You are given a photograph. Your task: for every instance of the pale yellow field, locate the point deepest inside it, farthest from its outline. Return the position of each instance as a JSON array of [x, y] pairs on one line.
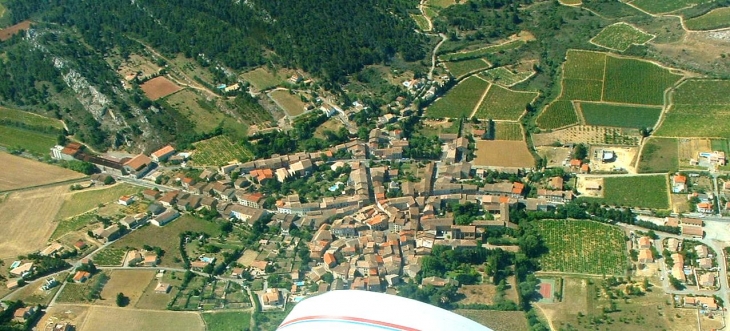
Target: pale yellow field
[[130, 282], [20, 172], [106, 318]]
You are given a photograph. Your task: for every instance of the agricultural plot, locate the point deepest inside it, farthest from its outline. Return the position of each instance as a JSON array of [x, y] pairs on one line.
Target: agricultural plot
[[497, 320], [31, 132], [635, 81], [619, 115], [505, 77], [100, 318], [508, 131], [502, 153], [461, 68], [584, 247], [226, 321], [460, 100], [664, 6], [203, 113], [581, 89], [621, 191], [716, 19], [291, 103], [504, 104], [421, 22], [19, 172], [159, 87], [557, 114], [89, 199], [702, 92], [659, 155], [584, 65], [701, 109], [218, 151], [588, 134], [29, 119], [620, 36], [262, 79], [130, 282], [441, 3], [481, 52]]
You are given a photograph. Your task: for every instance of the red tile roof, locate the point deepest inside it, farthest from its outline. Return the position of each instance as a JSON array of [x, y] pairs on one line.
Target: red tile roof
[[163, 151]]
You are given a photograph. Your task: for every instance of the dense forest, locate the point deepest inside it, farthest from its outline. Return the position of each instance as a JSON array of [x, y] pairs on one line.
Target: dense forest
[[330, 39]]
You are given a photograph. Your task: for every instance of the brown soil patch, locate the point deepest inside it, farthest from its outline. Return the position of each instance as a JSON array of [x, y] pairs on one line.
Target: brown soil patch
[[159, 87], [625, 158], [581, 186], [503, 153], [497, 320], [137, 64], [20, 172], [59, 313], [28, 219], [8, 32], [702, 50], [689, 149], [555, 156], [130, 282], [480, 294]]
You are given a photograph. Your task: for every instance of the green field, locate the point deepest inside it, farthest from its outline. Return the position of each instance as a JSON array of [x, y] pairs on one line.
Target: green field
[[460, 100], [205, 114], [703, 92], [504, 76], [421, 21], [292, 104], [637, 117], [508, 131], [659, 155], [218, 151], [716, 19], [620, 36], [585, 247], [584, 65], [7, 114], [109, 257], [621, 191], [582, 89], [227, 321], [637, 82], [558, 114], [701, 109], [34, 133], [504, 104], [441, 3], [262, 79], [84, 201], [481, 52], [464, 67], [665, 6]]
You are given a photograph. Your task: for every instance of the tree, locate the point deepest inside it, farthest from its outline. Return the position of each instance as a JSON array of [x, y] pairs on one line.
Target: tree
[[122, 300], [108, 180], [328, 278], [676, 283], [580, 152]]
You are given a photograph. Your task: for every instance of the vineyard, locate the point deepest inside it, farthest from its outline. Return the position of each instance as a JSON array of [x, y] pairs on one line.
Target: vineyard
[[460, 100], [715, 19], [584, 65], [659, 155], [619, 115], [664, 6], [505, 77], [621, 191], [478, 53], [219, 151], [701, 109], [459, 69], [585, 247], [504, 104], [620, 36], [582, 89], [702, 92], [635, 81], [556, 115], [508, 131]]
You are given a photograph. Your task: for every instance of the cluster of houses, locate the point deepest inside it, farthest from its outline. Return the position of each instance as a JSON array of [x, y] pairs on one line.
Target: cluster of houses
[[136, 166]]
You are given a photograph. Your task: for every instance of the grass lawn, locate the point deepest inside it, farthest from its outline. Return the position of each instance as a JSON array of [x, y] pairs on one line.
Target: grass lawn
[[262, 79], [558, 114], [622, 191], [715, 19], [460, 100], [620, 36], [623, 85], [168, 237], [659, 155], [620, 116], [504, 104], [227, 321], [463, 67], [291, 103], [587, 247], [84, 201]]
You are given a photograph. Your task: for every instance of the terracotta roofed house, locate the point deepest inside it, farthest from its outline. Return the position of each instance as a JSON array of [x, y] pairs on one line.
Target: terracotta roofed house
[[138, 165], [163, 153]]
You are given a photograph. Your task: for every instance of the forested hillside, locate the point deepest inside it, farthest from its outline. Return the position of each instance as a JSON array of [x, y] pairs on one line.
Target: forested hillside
[[330, 39]]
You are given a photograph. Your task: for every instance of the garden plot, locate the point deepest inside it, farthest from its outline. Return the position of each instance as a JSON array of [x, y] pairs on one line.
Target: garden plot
[[620, 36]]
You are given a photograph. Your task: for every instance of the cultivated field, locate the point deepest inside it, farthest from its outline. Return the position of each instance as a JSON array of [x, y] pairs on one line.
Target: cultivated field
[[621, 191], [502, 153], [27, 219], [622, 85], [558, 114], [584, 65], [291, 103], [219, 151], [460, 100], [505, 77], [504, 104], [100, 318], [130, 282], [20, 172], [8, 32], [86, 200], [226, 321], [262, 79], [715, 19], [441, 3], [588, 134], [481, 52], [159, 87], [29, 119], [585, 247], [702, 92], [203, 113], [167, 237], [663, 6], [571, 2], [602, 114], [659, 155], [508, 131], [581, 89], [461, 68], [620, 36], [701, 109], [497, 320], [421, 21]]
